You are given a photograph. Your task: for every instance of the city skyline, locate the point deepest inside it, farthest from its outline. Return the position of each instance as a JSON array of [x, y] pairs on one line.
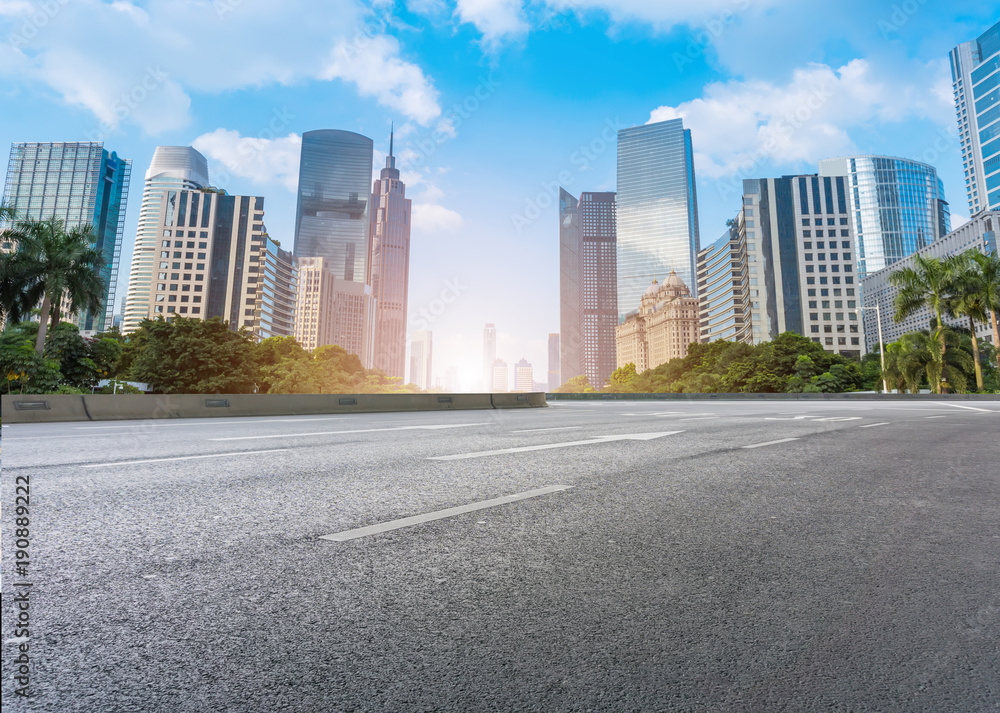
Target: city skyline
[[474, 190]]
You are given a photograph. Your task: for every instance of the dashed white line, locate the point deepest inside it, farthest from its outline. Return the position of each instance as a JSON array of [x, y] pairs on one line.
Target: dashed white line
[[935, 417], [771, 443], [164, 460], [870, 425], [564, 444], [971, 408], [357, 430], [440, 514], [539, 430]]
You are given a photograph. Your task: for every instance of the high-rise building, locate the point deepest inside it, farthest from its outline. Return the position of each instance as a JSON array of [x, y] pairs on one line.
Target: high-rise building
[[389, 267], [489, 356], [523, 376], [314, 309], [332, 217], [81, 184], [353, 319], [215, 259], [554, 370], [588, 286], [499, 384], [173, 168], [724, 287], [801, 265], [975, 74], [979, 234], [657, 208], [898, 207], [421, 352], [661, 329]]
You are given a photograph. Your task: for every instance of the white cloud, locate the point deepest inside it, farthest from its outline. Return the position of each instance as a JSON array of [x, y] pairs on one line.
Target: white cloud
[[433, 218], [261, 160], [374, 66], [495, 19], [739, 124], [207, 46], [665, 13]]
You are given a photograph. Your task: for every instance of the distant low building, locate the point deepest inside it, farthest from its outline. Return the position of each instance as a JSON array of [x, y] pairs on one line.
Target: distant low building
[[523, 376], [499, 384], [661, 329]]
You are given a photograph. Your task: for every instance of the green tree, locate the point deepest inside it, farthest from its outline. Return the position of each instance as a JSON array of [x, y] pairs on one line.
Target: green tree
[[988, 267], [48, 263], [921, 357], [968, 299], [576, 385], [621, 379], [192, 356], [23, 370]]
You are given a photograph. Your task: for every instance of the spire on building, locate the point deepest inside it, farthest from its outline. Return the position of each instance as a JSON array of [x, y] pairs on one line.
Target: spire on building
[[390, 170]]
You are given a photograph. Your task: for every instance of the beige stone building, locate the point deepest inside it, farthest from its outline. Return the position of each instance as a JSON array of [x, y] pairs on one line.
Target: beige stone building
[[661, 329], [333, 311]]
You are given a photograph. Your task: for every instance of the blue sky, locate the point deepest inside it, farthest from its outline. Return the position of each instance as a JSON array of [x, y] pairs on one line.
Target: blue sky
[[495, 102]]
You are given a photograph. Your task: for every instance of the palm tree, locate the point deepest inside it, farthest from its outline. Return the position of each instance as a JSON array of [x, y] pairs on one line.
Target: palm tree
[[51, 262], [921, 355], [893, 372], [967, 300], [927, 284], [988, 267]]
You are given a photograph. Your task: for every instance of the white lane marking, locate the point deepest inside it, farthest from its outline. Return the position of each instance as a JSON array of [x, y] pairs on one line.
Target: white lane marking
[[971, 408], [539, 430], [204, 421], [164, 460], [795, 418], [841, 418], [357, 430], [771, 443], [565, 444], [695, 418], [440, 514], [870, 425], [935, 417]]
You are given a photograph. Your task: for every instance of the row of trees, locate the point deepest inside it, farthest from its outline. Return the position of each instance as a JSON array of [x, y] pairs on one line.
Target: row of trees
[[183, 356]]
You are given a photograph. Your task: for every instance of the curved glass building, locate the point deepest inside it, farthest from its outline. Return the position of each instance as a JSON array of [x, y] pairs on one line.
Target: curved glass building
[[898, 207], [332, 217]]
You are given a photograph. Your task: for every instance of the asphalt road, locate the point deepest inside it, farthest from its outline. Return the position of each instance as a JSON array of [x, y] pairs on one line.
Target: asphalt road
[[653, 561]]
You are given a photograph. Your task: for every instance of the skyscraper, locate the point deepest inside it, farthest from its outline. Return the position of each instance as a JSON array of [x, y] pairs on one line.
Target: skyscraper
[[421, 353], [657, 212], [588, 286], [489, 356], [724, 287], [389, 267], [975, 73], [80, 184], [173, 168], [898, 207], [554, 370], [332, 218], [801, 270]]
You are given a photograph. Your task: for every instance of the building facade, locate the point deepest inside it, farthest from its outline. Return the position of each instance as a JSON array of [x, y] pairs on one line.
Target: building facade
[[802, 260], [724, 287], [897, 206], [980, 234], [421, 354], [523, 376], [662, 328], [975, 74], [555, 381], [499, 384], [588, 290], [215, 259], [81, 184], [489, 356], [173, 168], [314, 310], [389, 267], [657, 208]]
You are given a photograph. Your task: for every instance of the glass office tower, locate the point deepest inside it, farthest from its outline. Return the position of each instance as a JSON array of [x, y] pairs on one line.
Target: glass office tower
[[173, 168], [80, 184], [588, 296], [898, 207], [975, 73], [657, 209], [332, 217]]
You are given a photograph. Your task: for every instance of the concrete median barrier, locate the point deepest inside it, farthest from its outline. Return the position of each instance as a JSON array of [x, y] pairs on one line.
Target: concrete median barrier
[[123, 407]]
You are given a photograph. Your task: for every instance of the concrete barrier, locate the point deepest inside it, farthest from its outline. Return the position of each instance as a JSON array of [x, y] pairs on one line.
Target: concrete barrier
[[123, 407], [853, 396]]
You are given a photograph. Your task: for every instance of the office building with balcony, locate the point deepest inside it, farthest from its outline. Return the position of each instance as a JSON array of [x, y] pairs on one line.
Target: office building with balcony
[[724, 287]]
